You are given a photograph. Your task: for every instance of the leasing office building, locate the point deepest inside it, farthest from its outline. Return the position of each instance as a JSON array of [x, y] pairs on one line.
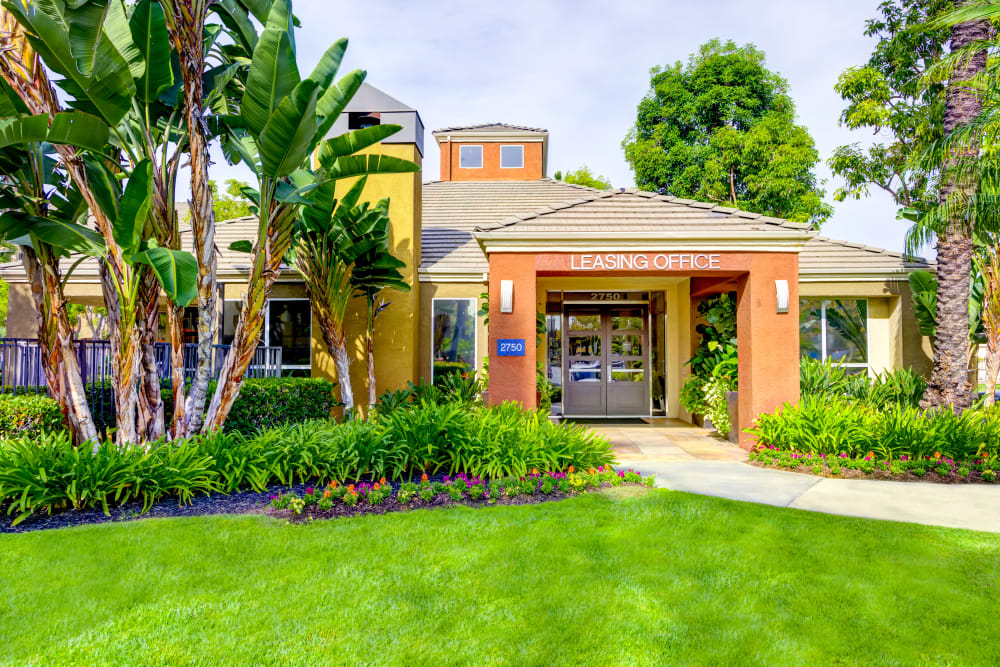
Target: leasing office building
[[617, 274]]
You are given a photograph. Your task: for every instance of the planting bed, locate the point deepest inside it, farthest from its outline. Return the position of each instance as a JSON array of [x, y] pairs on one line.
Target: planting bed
[[337, 500], [935, 469], [252, 502]]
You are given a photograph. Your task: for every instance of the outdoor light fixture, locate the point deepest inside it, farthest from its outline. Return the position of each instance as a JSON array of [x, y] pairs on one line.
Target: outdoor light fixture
[[507, 296], [781, 289]]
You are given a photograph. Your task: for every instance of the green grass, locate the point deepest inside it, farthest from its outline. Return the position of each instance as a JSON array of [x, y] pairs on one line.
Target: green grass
[[627, 577]]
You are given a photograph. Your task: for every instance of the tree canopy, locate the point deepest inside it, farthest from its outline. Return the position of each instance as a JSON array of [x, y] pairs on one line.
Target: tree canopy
[[722, 128], [584, 176], [889, 96]]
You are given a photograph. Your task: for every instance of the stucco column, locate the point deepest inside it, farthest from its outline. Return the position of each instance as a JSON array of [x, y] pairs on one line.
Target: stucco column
[[512, 378], [768, 341]]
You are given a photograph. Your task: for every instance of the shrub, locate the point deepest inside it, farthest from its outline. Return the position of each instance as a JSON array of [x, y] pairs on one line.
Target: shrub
[[48, 473], [268, 402], [29, 416], [821, 378]]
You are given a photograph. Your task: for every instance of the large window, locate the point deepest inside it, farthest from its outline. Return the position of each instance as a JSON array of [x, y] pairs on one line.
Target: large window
[[470, 157], [835, 329], [287, 324], [454, 331], [512, 157]]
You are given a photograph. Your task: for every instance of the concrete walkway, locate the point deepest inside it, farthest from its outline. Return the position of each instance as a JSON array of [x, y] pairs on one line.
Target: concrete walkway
[[686, 458]]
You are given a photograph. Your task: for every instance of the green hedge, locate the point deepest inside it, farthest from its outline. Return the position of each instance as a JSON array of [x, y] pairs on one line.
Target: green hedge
[[262, 403], [28, 415], [268, 402]]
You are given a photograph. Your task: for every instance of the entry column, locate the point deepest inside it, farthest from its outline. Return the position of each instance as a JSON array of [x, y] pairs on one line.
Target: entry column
[[768, 341], [512, 376]]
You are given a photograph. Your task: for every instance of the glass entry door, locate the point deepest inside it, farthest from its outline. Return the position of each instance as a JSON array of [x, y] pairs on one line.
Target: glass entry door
[[606, 358]]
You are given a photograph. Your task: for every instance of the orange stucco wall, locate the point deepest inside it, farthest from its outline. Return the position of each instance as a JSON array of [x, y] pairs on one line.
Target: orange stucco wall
[[513, 378], [768, 340], [491, 171]]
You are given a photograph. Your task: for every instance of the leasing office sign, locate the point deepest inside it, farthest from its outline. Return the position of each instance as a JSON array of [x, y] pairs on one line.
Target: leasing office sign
[[642, 261]]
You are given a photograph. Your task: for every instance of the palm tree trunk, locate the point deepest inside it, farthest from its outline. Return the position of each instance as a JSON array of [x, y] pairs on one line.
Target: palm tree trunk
[[268, 253], [175, 325], [370, 349], [949, 384], [150, 407], [62, 370], [186, 22]]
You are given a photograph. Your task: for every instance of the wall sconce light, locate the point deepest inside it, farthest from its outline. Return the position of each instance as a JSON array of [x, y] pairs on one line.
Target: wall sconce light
[[781, 289], [506, 296]]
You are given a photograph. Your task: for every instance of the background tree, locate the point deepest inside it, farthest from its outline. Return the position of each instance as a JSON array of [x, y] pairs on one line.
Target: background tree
[[584, 176], [232, 203], [888, 96], [722, 128]]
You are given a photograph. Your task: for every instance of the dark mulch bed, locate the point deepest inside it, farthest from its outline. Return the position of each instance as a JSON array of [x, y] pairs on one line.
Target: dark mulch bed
[[244, 502], [975, 477]]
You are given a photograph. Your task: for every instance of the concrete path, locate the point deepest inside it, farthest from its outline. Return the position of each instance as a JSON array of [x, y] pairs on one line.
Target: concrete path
[[686, 458]]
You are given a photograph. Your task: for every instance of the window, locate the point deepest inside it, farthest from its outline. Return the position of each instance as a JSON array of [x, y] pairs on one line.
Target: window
[[454, 330], [359, 120], [512, 157], [470, 157], [835, 329], [287, 324]]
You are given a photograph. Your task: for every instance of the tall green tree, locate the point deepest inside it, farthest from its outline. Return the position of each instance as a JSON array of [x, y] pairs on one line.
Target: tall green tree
[[722, 128], [888, 96]]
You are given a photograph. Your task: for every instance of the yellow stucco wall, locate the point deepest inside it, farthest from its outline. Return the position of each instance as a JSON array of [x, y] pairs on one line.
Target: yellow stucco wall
[[397, 332]]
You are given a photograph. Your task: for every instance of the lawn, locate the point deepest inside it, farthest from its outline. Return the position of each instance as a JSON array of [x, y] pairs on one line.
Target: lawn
[[624, 577]]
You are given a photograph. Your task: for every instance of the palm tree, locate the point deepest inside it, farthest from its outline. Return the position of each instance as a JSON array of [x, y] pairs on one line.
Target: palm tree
[[326, 253], [954, 222], [375, 271]]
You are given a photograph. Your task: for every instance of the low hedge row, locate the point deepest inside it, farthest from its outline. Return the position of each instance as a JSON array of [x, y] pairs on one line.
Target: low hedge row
[[983, 468], [47, 473], [262, 403]]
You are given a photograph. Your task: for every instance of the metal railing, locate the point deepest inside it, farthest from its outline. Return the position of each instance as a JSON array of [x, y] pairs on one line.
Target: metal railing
[[21, 363]]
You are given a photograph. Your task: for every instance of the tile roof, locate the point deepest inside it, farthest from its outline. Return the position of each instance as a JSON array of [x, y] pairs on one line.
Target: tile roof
[[452, 210], [627, 211], [822, 256], [489, 127], [455, 211]]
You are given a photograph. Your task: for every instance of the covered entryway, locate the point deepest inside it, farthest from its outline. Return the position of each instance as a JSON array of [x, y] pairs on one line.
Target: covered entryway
[[613, 239], [606, 353]]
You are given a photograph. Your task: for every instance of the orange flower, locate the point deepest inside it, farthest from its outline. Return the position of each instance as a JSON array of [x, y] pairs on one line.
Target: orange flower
[[381, 480], [534, 471], [376, 486], [571, 469], [592, 471], [423, 477], [350, 488], [333, 484], [326, 494], [937, 455]]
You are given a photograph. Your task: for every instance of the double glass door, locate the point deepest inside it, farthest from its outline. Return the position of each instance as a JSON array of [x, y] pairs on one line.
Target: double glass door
[[606, 357]]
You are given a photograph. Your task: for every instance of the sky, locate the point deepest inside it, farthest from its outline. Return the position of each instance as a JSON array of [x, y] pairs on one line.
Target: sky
[[579, 69]]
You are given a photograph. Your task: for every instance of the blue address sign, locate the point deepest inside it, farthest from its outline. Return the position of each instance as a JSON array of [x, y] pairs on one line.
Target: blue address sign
[[510, 347]]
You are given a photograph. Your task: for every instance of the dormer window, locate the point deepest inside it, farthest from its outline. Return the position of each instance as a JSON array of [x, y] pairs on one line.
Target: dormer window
[[470, 157], [358, 120], [512, 157]]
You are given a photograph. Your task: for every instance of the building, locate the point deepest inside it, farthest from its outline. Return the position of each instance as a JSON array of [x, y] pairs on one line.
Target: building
[[616, 275]]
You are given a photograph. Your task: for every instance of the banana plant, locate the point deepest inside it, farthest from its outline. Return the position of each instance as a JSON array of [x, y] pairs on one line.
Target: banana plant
[[283, 120], [116, 64], [376, 270]]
